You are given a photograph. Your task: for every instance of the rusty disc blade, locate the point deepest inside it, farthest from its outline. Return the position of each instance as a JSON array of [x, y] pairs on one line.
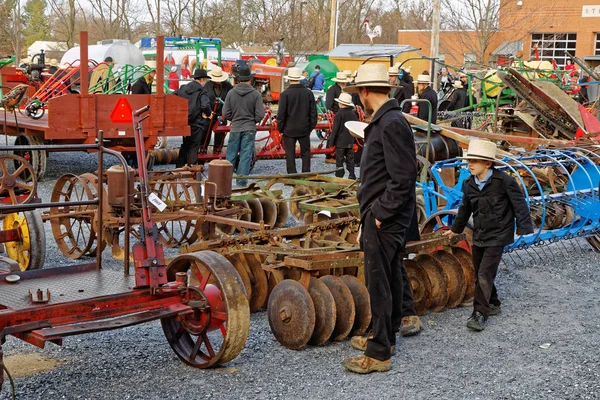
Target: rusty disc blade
[[241, 270], [244, 217], [420, 286], [362, 304], [291, 314], [344, 305], [269, 211], [325, 311], [258, 279], [297, 212], [273, 278], [256, 210], [438, 279], [455, 275], [466, 262], [283, 212]]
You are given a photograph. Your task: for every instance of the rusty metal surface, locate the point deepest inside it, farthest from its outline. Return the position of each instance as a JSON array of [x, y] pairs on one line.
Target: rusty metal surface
[[420, 286], [344, 307], [438, 279], [325, 311], [362, 304], [456, 277]]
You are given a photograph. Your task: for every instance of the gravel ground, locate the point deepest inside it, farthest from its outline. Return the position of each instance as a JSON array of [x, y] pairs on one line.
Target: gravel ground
[[550, 297]]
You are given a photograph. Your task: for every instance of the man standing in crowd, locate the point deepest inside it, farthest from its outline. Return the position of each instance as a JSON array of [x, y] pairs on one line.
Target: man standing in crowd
[[426, 93], [244, 108], [304, 80], [296, 118], [144, 84], [198, 117], [387, 201], [334, 92], [217, 89], [317, 79], [458, 100], [341, 138]]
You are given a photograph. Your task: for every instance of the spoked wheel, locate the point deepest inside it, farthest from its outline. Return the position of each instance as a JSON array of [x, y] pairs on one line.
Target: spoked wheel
[[30, 251], [216, 332], [35, 110], [17, 179], [442, 221], [72, 226], [37, 158], [177, 196], [91, 181]]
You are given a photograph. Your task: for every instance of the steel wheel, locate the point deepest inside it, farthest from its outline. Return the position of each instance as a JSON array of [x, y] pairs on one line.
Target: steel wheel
[[177, 196], [91, 181], [241, 270], [218, 333], [37, 158], [30, 252], [17, 178], [442, 221], [72, 226]]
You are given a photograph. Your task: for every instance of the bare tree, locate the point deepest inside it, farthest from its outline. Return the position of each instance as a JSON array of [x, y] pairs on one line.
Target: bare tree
[[65, 18]]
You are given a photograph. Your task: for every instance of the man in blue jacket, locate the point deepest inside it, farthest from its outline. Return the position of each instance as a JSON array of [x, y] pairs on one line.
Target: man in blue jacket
[[319, 79]]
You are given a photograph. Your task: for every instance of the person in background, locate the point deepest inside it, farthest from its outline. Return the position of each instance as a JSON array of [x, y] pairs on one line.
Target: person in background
[[173, 79], [569, 66], [458, 100], [296, 118], [317, 79], [406, 81], [334, 92], [102, 73], [427, 93], [446, 80], [185, 72], [217, 88], [244, 108], [341, 138], [198, 117], [304, 80], [495, 201], [144, 84]]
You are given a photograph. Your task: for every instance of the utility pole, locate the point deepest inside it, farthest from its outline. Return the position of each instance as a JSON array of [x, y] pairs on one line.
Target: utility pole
[[435, 39], [332, 25]]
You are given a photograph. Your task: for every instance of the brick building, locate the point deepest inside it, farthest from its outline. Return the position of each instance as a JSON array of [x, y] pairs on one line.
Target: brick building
[[554, 27]]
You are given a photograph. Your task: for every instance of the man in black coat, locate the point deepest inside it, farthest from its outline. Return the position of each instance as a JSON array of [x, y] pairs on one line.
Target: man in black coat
[[217, 88], [198, 117], [495, 200], [144, 84], [341, 138], [459, 100], [296, 118], [387, 201], [427, 93], [334, 92]]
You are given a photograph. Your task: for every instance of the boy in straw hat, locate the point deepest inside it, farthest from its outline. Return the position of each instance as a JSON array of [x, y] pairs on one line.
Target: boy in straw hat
[[334, 92], [387, 208], [426, 92], [495, 200], [341, 138], [296, 118]]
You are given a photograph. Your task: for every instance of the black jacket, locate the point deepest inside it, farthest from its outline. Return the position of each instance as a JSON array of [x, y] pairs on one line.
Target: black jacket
[[458, 100], [494, 210], [423, 113], [221, 93], [198, 103], [388, 172], [297, 114], [406, 91], [141, 87], [340, 137], [333, 93]]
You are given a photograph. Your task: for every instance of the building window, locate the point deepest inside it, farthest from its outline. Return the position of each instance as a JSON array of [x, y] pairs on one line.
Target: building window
[[553, 46], [597, 46]]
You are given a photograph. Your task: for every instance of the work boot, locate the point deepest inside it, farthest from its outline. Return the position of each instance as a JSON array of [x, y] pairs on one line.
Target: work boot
[[411, 326], [365, 365], [360, 343], [477, 321], [495, 309]]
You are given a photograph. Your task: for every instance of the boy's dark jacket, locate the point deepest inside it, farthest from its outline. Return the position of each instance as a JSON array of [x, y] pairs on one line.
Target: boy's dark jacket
[[340, 137], [494, 210]]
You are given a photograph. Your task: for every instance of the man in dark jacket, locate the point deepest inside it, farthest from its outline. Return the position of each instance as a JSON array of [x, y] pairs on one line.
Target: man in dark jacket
[[334, 92], [144, 84], [217, 88], [296, 118], [198, 117], [341, 138], [427, 93], [408, 89], [387, 205], [459, 100], [495, 200], [244, 108]]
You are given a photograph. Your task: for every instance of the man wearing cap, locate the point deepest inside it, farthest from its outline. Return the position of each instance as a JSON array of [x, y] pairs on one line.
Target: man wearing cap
[[334, 92], [244, 108], [296, 118], [217, 89], [495, 200], [198, 117], [387, 201], [426, 93], [144, 84], [341, 138]]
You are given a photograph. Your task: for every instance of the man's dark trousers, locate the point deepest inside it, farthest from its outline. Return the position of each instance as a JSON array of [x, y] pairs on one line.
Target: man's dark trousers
[[383, 249], [346, 155], [289, 144], [188, 152], [486, 261]]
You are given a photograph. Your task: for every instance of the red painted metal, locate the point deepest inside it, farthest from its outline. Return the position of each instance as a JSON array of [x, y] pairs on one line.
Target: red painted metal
[[11, 235]]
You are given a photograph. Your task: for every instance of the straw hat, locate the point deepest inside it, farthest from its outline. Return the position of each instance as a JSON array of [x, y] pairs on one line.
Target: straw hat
[[481, 150], [393, 71], [348, 73], [217, 75], [423, 79], [356, 128], [53, 63], [345, 99], [341, 78], [457, 84], [294, 74], [370, 75]]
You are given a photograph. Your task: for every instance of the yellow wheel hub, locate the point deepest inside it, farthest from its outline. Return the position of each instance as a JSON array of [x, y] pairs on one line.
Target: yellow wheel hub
[[18, 251]]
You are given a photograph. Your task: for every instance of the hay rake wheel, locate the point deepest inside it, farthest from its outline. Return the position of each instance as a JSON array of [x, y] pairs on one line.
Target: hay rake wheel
[[17, 177], [177, 195]]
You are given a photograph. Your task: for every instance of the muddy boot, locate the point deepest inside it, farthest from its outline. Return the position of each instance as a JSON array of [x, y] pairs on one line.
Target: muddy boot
[[360, 343], [365, 365], [411, 326]]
